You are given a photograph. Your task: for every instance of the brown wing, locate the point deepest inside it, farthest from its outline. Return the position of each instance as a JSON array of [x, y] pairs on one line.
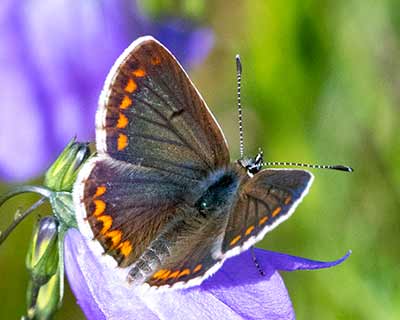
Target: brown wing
[[152, 115], [156, 139], [265, 200], [183, 254], [124, 207]]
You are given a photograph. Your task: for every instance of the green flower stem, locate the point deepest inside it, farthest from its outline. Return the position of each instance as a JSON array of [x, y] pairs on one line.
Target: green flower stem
[[15, 223], [45, 192]]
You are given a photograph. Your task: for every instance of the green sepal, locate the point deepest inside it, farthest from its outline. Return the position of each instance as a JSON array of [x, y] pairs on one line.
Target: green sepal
[[62, 173], [63, 209]]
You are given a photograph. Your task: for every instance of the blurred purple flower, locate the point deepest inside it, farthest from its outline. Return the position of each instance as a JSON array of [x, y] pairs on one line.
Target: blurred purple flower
[[236, 291], [54, 57]]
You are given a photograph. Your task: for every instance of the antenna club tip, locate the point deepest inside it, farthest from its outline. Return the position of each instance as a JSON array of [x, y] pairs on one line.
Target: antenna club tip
[[237, 57], [238, 64], [343, 168]]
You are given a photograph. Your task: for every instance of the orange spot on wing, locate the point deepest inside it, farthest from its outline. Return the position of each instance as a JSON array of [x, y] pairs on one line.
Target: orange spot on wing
[[155, 60], [100, 207], [115, 237], [125, 248], [125, 103], [287, 200], [159, 273], [249, 230], [131, 86], [197, 268], [139, 72], [276, 211], [122, 142], [100, 191], [263, 220], [184, 272], [122, 121], [165, 275], [235, 240], [107, 223], [173, 275]]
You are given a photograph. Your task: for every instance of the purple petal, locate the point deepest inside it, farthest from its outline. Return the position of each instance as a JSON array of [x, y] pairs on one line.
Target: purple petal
[[236, 291], [54, 57], [98, 292], [239, 284], [223, 296], [80, 288], [285, 262]]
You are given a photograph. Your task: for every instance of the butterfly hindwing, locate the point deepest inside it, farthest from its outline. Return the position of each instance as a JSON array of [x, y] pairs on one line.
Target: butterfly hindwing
[[152, 115], [265, 200], [184, 251]]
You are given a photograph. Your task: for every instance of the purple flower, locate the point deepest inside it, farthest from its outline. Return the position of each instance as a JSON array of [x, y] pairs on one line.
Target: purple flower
[[236, 291], [54, 57]]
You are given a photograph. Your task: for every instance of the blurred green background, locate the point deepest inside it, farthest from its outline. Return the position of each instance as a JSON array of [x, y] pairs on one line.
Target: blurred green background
[[321, 83]]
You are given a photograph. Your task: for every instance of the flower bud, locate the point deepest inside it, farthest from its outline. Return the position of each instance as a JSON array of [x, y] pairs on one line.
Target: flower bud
[[42, 262], [62, 174], [42, 256], [46, 299]]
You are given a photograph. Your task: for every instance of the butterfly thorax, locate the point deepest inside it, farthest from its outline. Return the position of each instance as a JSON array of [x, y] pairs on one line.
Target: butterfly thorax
[[217, 191]]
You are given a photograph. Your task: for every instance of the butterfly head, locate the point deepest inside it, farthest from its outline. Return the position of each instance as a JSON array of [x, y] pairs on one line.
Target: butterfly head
[[253, 165]]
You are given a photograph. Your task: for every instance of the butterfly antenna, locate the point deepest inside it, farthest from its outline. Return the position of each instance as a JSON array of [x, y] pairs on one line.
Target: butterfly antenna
[[239, 79], [256, 263], [312, 166]]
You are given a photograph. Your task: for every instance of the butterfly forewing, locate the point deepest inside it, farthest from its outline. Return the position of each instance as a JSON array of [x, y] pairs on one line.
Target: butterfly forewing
[[152, 115], [264, 201]]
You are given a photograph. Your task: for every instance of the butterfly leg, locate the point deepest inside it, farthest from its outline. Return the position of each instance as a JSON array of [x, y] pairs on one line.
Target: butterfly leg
[[256, 263]]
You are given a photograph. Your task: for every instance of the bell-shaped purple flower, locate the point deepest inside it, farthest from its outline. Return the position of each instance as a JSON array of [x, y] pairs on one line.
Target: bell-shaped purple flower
[[236, 291], [54, 57]]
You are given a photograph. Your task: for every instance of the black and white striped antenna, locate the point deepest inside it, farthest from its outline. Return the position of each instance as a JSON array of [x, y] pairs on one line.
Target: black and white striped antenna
[[258, 161], [308, 165], [339, 167], [239, 78]]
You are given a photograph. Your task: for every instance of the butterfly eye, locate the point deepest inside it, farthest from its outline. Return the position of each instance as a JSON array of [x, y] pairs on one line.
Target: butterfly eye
[[203, 205], [203, 208]]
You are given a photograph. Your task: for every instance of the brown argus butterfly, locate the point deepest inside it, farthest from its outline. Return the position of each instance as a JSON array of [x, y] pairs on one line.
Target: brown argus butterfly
[[161, 199]]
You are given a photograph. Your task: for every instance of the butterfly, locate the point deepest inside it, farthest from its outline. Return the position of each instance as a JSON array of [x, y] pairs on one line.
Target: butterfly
[[161, 201]]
